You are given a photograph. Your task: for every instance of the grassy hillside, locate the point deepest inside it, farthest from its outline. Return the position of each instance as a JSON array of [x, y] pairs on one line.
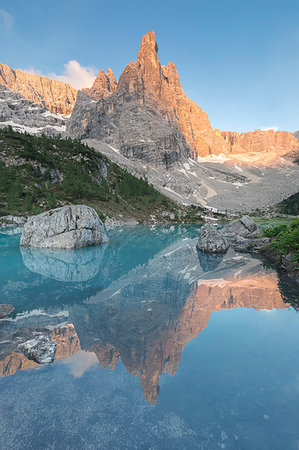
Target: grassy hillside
[[285, 241], [39, 173]]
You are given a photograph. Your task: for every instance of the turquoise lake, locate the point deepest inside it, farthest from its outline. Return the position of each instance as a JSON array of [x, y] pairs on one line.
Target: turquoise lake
[[158, 347]]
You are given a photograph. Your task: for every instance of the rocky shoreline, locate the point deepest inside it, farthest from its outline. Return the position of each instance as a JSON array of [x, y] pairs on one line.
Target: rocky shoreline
[[245, 237]]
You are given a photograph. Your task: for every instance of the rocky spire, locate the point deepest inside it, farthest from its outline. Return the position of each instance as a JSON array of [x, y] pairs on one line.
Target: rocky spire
[[104, 85]]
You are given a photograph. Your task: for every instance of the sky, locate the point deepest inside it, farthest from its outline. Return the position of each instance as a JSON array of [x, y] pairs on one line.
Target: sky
[[238, 60]]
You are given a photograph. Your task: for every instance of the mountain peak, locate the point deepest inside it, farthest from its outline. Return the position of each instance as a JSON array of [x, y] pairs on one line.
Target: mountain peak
[[149, 41], [104, 85]]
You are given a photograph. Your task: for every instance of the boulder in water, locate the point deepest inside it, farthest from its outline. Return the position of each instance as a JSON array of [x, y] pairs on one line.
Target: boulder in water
[[211, 240], [68, 227]]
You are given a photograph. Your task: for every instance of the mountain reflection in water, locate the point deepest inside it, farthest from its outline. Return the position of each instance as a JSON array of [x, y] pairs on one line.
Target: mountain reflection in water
[[147, 316]]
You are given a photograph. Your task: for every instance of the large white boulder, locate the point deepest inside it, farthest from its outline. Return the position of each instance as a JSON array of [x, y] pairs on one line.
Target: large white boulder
[[68, 227]]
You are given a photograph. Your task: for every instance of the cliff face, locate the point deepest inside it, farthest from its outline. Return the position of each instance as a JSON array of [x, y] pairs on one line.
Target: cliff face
[[147, 113], [279, 142], [57, 96]]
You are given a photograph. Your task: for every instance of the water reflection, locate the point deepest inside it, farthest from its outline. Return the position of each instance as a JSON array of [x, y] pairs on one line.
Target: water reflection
[[64, 265], [146, 317]]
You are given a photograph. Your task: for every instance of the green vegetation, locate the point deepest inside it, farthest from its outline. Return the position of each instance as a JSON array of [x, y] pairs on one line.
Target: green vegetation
[[285, 240], [40, 173], [289, 205]]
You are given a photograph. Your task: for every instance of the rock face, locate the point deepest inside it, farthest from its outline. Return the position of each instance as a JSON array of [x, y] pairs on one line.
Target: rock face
[[296, 134], [147, 113], [6, 310], [67, 227], [57, 96], [25, 116], [211, 240], [281, 142], [40, 349]]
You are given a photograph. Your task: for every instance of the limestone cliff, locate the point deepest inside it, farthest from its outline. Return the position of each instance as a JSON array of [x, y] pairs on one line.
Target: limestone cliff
[[147, 114], [57, 96], [279, 142]]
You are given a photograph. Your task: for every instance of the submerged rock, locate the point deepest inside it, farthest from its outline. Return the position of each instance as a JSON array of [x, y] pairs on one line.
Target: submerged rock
[[211, 240], [6, 310], [40, 349], [68, 227]]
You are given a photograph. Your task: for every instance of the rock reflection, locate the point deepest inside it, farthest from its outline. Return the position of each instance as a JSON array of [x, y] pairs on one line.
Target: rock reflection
[[67, 344], [64, 265], [147, 317]]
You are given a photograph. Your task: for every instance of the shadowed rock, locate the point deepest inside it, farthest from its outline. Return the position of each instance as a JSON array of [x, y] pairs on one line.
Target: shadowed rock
[[6, 310]]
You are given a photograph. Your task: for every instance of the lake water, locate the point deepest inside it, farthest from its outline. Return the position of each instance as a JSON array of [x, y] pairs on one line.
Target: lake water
[[158, 347]]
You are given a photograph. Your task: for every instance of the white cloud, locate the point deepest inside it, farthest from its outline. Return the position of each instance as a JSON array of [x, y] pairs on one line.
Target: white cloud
[[76, 75], [270, 128], [6, 19], [31, 70]]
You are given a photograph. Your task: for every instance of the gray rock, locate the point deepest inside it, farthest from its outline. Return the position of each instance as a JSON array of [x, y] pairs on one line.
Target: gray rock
[[68, 227], [25, 116], [244, 227], [6, 310], [40, 349], [120, 121], [13, 220], [211, 240]]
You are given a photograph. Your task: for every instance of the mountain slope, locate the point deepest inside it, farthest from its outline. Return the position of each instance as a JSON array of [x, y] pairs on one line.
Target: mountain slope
[[57, 96], [38, 173], [26, 116], [147, 113]]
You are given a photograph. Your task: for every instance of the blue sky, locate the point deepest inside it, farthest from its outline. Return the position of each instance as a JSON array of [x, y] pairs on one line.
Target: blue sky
[[239, 60]]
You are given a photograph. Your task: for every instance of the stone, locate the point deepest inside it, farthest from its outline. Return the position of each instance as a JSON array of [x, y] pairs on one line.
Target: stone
[[244, 227], [211, 240], [40, 349], [57, 96], [5, 310], [13, 220], [68, 227]]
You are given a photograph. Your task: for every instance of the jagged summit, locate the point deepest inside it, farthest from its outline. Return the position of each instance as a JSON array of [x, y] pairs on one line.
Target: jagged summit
[[57, 96], [104, 85], [157, 88]]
